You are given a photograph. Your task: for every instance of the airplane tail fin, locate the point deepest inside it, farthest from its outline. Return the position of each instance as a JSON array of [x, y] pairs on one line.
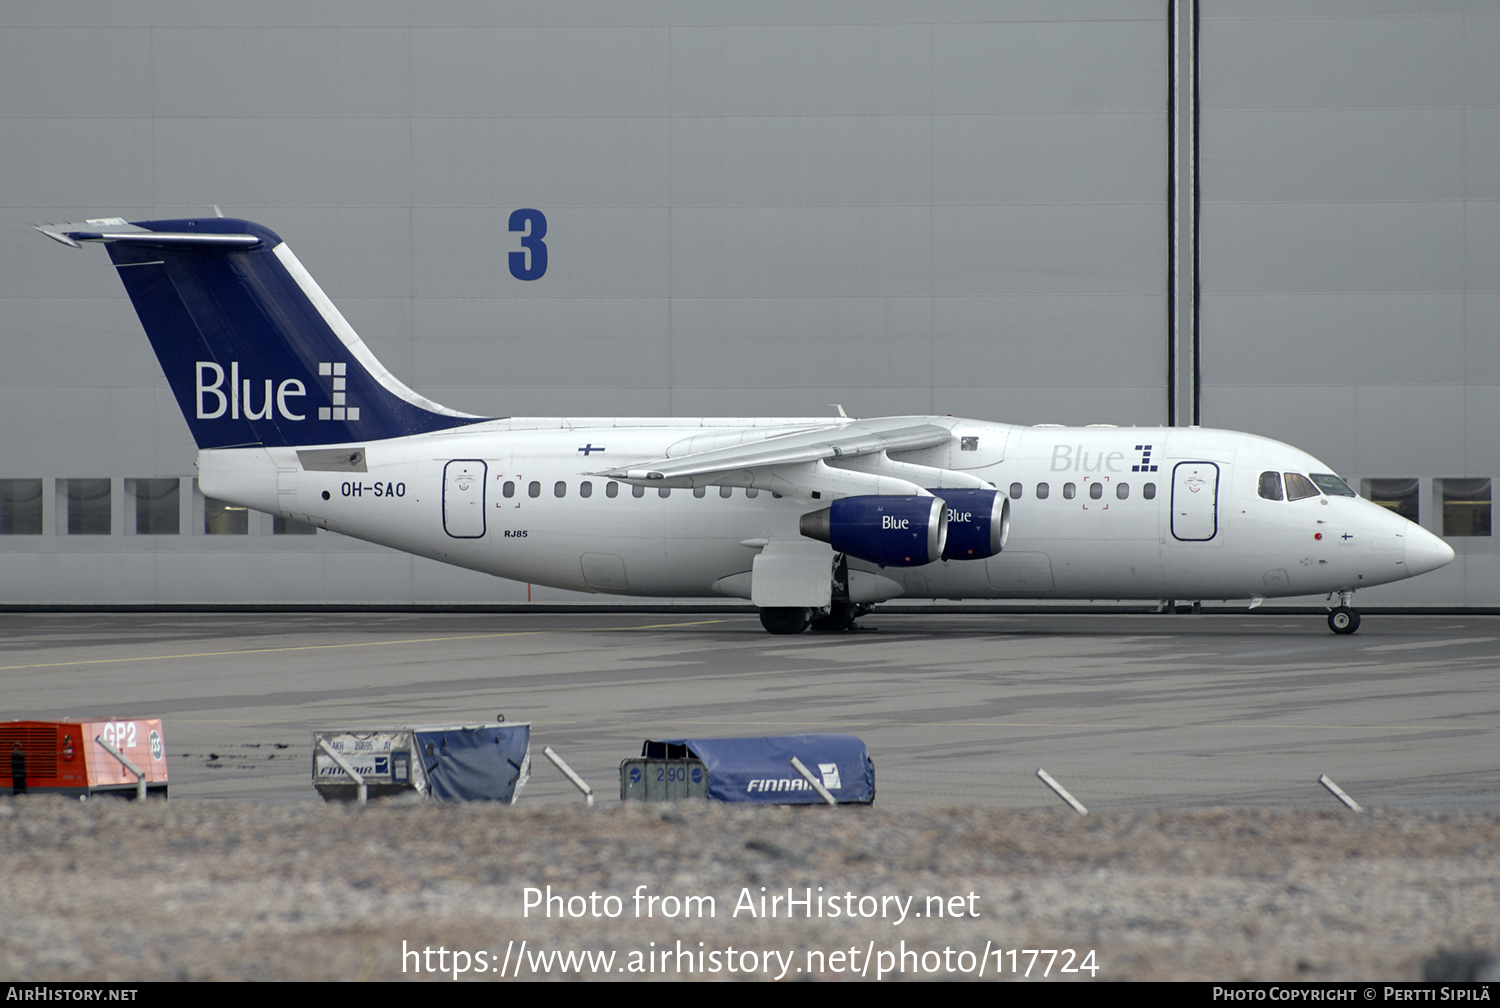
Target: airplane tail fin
[[254, 351]]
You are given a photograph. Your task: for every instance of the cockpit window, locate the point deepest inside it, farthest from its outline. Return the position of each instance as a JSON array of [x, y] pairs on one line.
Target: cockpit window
[[1270, 485], [1331, 485], [1299, 486]]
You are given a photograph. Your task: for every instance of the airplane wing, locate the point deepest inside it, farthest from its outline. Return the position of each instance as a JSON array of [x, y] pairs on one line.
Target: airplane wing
[[859, 438], [841, 460]]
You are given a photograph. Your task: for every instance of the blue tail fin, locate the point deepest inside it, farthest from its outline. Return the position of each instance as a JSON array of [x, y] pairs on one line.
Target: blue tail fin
[[255, 352]]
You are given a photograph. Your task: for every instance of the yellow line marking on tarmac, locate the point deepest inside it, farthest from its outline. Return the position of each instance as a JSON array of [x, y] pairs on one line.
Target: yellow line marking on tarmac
[[677, 725], [457, 719], [325, 647], [1042, 724], [540, 722]]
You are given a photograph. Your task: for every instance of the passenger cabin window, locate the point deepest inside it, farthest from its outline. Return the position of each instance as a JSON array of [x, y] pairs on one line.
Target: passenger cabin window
[[968, 443], [1299, 487], [1096, 490], [1466, 506], [1270, 486], [509, 489], [752, 492], [534, 489], [637, 491], [1149, 491], [726, 491], [700, 491], [1331, 485], [585, 489], [1069, 491], [1016, 490], [611, 489], [663, 491], [1398, 495], [1122, 491], [1042, 490], [559, 489]]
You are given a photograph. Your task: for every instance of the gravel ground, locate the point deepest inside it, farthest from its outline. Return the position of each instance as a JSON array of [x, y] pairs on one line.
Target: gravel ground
[[244, 891]]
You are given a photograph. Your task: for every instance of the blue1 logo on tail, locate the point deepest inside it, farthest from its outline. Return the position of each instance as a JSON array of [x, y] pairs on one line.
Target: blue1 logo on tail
[[241, 396]]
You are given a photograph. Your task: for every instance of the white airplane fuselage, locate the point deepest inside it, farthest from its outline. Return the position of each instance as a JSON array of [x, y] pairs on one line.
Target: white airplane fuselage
[[813, 519], [1190, 523]]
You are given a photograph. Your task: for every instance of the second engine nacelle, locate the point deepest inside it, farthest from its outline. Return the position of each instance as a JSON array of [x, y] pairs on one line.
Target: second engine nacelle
[[978, 522], [890, 531]]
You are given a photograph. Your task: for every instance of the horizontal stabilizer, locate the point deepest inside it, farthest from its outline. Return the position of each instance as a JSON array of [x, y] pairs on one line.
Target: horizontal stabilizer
[[115, 229]]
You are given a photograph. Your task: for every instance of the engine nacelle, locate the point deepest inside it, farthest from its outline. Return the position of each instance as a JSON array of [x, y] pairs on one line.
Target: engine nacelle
[[978, 522], [890, 531]]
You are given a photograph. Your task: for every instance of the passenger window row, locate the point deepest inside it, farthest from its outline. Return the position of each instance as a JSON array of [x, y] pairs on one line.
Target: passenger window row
[[1096, 491], [612, 489]]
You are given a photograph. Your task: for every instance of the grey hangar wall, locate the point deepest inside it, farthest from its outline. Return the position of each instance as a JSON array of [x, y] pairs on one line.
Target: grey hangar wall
[[756, 209]]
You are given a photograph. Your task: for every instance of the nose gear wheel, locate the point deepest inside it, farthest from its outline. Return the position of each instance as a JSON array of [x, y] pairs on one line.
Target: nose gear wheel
[[1343, 620]]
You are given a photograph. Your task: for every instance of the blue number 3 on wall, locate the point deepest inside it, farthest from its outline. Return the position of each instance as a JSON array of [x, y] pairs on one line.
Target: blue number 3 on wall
[[532, 242]]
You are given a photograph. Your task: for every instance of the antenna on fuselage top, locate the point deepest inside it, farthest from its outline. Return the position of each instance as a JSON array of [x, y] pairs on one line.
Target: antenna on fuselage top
[[840, 408], [217, 211]]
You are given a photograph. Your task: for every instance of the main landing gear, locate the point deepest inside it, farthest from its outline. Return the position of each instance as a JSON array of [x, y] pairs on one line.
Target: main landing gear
[[789, 620], [784, 619], [839, 615], [1343, 619]]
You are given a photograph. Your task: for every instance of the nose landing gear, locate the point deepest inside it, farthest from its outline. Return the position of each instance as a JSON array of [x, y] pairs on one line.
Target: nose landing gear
[[1343, 619]]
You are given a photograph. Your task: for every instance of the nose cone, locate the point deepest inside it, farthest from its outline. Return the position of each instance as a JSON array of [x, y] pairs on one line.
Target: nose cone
[[1425, 551]]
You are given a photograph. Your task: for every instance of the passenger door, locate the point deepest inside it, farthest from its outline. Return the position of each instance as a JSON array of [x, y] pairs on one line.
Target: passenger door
[[463, 498], [1195, 501]]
